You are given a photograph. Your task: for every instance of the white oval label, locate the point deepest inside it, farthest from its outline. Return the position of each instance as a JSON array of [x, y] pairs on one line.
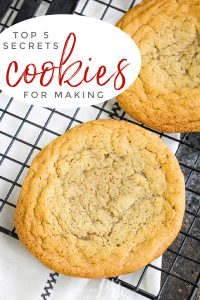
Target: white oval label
[[66, 61]]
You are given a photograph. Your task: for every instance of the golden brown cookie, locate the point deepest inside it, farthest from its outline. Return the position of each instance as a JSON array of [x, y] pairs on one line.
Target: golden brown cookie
[[104, 199], [166, 95]]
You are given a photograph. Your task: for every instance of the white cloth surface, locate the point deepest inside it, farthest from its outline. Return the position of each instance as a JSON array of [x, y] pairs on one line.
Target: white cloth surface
[[22, 276]]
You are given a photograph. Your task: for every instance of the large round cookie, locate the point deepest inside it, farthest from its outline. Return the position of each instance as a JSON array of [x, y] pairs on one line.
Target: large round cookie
[[166, 95], [104, 199]]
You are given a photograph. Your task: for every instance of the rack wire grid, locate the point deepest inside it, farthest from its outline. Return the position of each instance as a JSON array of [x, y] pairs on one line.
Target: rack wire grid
[[180, 264]]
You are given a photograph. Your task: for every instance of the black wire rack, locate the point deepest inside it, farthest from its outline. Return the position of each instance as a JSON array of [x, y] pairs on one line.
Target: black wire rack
[[180, 271]]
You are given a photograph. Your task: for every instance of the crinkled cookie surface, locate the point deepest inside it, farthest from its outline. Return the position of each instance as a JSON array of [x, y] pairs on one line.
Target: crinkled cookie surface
[[166, 95], [104, 199]]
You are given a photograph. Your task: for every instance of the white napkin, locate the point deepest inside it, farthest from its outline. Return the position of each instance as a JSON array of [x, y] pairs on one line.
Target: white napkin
[[22, 276]]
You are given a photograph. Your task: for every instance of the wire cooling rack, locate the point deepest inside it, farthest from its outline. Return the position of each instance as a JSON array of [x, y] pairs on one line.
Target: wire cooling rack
[[181, 262]]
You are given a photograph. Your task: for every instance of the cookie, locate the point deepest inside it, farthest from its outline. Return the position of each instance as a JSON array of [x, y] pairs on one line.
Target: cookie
[[166, 95], [106, 198]]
